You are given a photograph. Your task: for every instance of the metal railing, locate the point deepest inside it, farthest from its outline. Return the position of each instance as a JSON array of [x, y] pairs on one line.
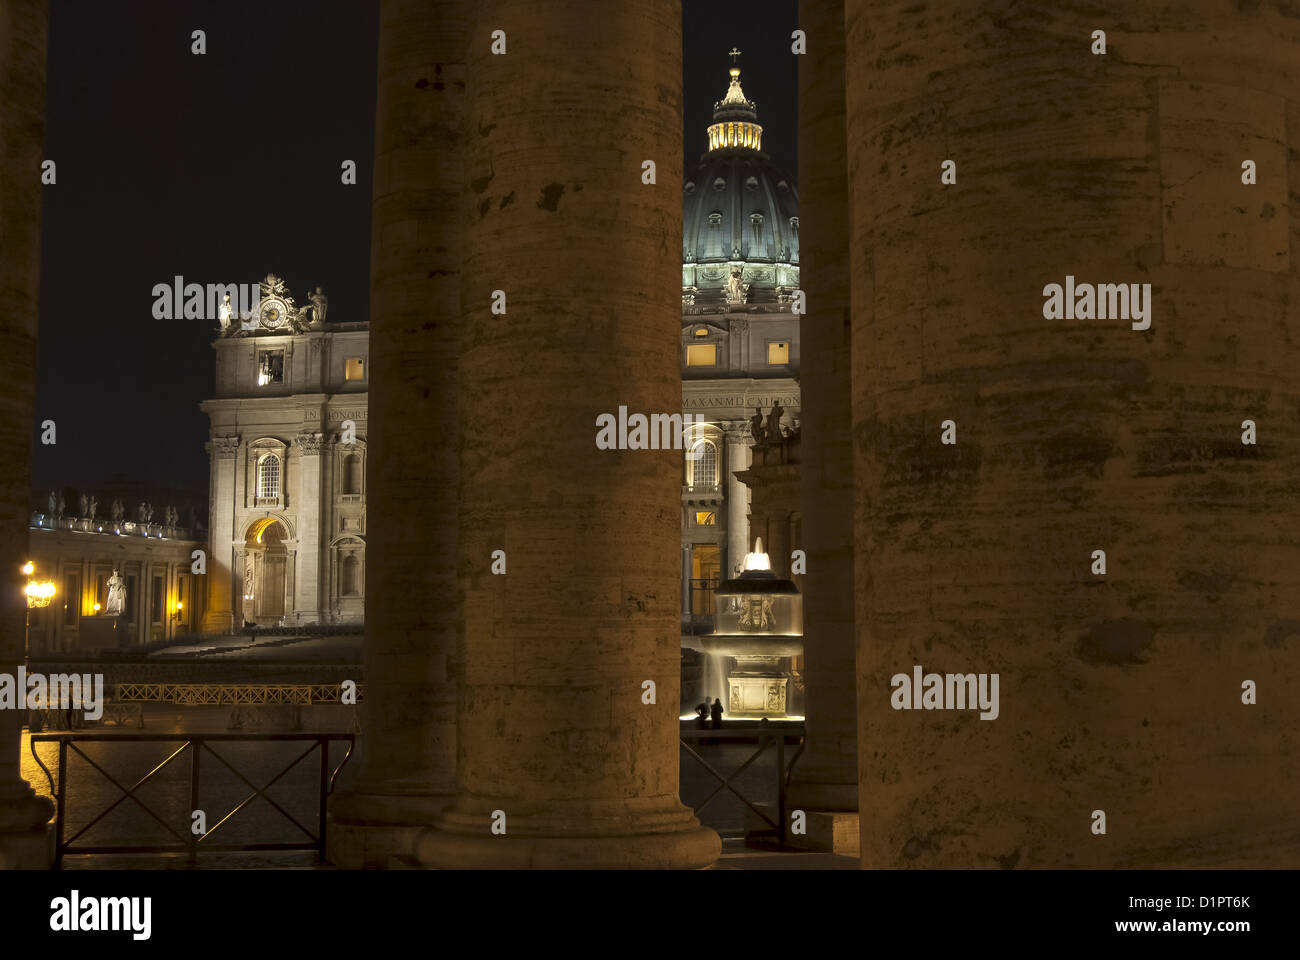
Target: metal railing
[[196, 744], [768, 736], [192, 694]]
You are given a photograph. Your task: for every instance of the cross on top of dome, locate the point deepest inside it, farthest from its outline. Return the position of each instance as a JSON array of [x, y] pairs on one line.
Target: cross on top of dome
[[734, 106]]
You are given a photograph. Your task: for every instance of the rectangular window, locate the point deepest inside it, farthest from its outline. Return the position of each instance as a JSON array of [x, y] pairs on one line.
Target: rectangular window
[[702, 355], [778, 352], [130, 600], [156, 602], [705, 518], [270, 367], [355, 369], [71, 599]]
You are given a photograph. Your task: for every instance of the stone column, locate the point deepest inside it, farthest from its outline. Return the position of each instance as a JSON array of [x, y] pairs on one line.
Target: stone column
[[409, 732], [25, 840], [1120, 693], [686, 580], [825, 779], [739, 541], [223, 604], [313, 508], [556, 746]]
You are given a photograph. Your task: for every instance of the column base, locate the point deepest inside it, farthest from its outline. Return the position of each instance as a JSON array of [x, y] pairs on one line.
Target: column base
[[691, 849], [26, 835], [370, 831], [814, 795], [830, 831]]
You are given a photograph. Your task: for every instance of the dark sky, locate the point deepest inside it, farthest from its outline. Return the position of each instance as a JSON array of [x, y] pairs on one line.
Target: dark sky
[[225, 166]]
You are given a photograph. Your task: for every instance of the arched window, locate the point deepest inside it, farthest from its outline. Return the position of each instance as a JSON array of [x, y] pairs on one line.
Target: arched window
[[704, 464], [350, 576], [352, 473], [268, 477]]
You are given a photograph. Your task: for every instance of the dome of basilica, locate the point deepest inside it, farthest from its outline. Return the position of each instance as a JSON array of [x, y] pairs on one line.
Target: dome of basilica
[[740, 215]]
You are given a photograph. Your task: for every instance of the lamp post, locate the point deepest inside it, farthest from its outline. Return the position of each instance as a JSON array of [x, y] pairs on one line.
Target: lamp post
[[39, 594]]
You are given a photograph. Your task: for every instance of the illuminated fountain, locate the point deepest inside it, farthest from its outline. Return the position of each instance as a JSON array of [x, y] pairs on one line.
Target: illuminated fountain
[[758, 621]]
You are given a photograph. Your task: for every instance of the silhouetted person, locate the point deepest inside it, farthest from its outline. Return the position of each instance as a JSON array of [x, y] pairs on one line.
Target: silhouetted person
[[702, 716], [716, 713]]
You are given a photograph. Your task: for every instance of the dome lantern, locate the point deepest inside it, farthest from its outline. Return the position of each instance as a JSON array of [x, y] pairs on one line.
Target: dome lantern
[[735, 124]]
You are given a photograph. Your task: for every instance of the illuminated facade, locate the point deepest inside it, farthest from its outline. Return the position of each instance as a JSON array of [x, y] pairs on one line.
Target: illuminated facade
[[740, 338], [79, 556], [287, 454]]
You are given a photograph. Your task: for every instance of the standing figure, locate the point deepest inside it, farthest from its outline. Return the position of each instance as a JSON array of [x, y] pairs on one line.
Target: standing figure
[[54, 502], [94, 505], [702, 715], [319, 304], [716, 713], [224, 312], [116, 602], [774, 434], [118, 511], [85, 506], [756, 425]]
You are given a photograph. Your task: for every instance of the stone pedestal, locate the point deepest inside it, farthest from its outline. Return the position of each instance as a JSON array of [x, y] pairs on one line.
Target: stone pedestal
[[561, 763]]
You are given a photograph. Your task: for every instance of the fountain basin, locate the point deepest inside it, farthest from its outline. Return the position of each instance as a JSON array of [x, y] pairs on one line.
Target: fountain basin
[[746, 645]]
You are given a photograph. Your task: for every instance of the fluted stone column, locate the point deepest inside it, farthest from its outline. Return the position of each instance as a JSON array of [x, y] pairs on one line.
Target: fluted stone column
[[556, 746], [412, 609], [1122, 692], [739, 540], [825, 777], [25, 839]]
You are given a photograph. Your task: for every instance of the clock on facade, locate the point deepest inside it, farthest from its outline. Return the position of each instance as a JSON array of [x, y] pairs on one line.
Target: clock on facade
[[274, 312]]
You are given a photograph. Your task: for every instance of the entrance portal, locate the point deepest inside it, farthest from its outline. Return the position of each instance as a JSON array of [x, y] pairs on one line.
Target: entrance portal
[[265, 572]]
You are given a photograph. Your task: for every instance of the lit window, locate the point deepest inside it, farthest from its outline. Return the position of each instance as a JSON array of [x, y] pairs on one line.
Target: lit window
[[702, 355], [705, 518], [270, 367], [268, 477], [355, 369], [778, 352], [701, 331], [703, 459]]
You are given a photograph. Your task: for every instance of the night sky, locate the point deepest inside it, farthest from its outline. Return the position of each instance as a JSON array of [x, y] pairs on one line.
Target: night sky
[[225, 166]]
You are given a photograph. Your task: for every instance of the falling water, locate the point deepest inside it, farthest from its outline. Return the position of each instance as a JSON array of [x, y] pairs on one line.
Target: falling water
[[714, 685]]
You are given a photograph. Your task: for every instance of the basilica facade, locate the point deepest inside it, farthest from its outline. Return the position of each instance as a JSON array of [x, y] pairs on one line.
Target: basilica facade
[[287, 449], [740, 340]]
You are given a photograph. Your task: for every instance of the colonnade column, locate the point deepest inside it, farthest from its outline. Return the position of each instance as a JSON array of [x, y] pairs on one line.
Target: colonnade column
[[567, 758], [825, 779], [1091, 307], [25, 838], [412, 608]]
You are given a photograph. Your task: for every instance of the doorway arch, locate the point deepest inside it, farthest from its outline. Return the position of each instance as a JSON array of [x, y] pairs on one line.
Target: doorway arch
[[266, 572]]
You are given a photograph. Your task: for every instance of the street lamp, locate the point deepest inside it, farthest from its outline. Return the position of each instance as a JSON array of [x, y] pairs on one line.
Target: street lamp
[[39, 594]]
